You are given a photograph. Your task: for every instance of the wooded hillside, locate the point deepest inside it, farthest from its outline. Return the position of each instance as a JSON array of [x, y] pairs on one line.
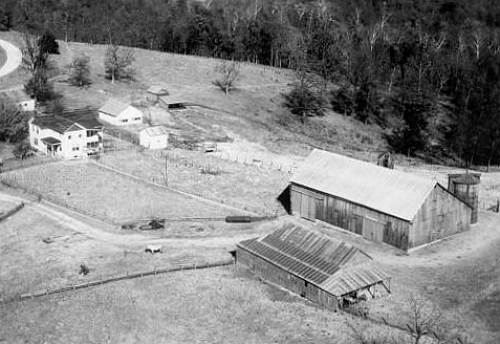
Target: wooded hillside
[[428, 71]]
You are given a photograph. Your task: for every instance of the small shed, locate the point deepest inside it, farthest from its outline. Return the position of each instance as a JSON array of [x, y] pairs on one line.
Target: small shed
[[119, 113], [380, 204], [154, 137], [313, 265], [156, 93]]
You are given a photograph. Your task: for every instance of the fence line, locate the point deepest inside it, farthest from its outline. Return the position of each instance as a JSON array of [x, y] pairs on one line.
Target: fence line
[[12, 164], [15, 185], [11, 212], [127, 276]]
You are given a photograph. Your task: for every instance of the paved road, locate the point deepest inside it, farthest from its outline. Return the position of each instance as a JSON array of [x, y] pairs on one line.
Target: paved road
[[14, 58]]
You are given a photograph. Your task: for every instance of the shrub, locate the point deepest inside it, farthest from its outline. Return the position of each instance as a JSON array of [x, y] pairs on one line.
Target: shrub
[[13, 124], [22, 150], [304, 102], [229, 72]]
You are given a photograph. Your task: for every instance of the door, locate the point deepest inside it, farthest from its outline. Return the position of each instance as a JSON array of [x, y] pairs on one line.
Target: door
[[320, 208], [356, 224], [373, 230]]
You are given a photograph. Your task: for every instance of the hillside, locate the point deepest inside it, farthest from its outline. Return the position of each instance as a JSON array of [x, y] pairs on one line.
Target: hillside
[[254, 110]]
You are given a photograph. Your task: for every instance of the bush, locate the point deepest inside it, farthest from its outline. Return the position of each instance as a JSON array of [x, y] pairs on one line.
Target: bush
[[22, 150], [229, 73], [342, 100], [39, 86], [304, 102]]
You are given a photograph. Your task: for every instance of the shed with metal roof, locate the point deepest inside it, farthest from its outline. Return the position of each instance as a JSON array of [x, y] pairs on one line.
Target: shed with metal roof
[[383, 205], [313, 265], [119, 113]]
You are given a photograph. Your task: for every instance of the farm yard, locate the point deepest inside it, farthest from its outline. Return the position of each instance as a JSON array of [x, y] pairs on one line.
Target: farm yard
[[244, 186], [101, 192]]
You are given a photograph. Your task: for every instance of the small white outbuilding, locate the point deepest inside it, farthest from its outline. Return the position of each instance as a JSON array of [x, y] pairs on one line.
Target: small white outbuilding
[[154, 137], [118, 113]]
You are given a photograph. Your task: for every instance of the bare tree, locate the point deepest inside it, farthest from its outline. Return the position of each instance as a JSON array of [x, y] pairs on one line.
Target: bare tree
[[118, 63], [229, 72]]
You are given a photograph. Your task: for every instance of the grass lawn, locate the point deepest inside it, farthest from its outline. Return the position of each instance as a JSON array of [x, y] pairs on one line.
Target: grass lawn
[[206, 306], [101, 192], [244, 186], [3, 57]]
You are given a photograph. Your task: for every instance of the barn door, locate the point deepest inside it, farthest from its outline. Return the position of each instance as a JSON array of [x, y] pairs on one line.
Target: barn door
[[307, 207], [373, 230], [320, 209], [356, 224]]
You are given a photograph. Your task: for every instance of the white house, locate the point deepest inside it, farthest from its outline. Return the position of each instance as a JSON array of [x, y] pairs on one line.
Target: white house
[[70, 135], [117, 113], [18, 98], [154, 137]]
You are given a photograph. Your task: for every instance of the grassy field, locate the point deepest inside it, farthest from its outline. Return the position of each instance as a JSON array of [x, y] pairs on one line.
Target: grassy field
[[244, 186], [29, 264], [207, 306], [98, 191], [3, 57]]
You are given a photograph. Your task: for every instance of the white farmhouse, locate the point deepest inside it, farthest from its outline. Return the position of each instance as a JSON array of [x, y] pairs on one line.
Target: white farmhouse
[[154, 137], [117, 113], [70, 135], [19, 99]]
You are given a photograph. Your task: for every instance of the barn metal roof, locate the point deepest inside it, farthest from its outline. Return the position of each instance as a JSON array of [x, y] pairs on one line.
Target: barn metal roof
[[158, 90], [389, 191], [334, 266], [114, 107]]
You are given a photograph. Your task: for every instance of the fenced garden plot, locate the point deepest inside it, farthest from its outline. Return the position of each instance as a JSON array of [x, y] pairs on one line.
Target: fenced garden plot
[[107, 194], [246, 187]]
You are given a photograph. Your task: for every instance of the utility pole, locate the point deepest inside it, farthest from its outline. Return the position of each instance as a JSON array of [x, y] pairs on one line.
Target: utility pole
[[166, 170]]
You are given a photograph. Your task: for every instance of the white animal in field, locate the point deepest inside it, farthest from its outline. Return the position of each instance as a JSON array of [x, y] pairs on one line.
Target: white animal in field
[[153, 249]]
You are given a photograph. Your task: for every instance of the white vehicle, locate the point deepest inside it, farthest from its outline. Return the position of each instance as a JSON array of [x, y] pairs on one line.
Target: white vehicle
[[153, 249]]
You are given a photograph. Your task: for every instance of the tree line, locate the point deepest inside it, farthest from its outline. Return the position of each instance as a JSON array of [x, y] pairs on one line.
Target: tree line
[[427, 71]]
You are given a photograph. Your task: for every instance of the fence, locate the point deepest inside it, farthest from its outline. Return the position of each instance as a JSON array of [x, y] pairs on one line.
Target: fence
[[16, 164], [11, 212], [127, 276], [12, 183], [122, 135]]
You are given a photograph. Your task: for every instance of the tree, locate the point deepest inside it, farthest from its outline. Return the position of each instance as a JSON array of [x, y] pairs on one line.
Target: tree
[[80, 71], [39, 87], [118, 63], [47, 43], [13, 124], [229, 72], [304, 102]]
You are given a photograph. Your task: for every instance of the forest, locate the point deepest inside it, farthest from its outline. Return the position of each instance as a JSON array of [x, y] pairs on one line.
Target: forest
[[427, 71]]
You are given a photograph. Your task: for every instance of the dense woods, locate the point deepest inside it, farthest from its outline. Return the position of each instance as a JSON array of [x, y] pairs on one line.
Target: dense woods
[[428, 71]]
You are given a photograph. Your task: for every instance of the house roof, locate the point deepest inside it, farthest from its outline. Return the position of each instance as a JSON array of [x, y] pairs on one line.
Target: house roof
[[156, 131], [158, 90], [334, 266], [389, 191], [68, 121], [114, 107], [14, 96]]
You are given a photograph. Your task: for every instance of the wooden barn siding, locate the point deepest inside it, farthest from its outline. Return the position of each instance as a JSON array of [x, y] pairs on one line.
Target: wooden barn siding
[[295, 284], [372, 225], [440, 216]]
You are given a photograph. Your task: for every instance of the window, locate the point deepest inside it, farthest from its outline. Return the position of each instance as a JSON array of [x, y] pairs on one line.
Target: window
[[35, 141], [37, 131], [91, 133], [137, 118], [69, 137], [76, 148], [125, 120], [92, 144], [79, 135]]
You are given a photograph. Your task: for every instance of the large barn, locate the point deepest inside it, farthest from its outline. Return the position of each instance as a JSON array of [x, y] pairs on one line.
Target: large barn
[[313, 265], [378, 203]]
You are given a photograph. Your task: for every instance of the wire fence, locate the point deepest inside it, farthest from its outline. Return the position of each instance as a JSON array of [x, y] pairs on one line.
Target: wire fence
[[12, 164]]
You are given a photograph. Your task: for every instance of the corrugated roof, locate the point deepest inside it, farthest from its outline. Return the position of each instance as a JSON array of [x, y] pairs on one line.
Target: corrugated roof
[[14, 96], [156, 131], [331, 265], [389, 191], [114, 107]]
